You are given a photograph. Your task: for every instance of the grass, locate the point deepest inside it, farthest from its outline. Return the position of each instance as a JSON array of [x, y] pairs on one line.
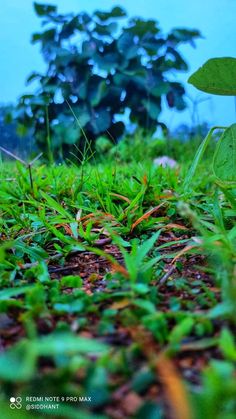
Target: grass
[[118, 286]]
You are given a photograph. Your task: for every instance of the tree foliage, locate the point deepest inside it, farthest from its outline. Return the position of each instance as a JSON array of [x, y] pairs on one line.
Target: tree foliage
[[105, 65], [14, 137]]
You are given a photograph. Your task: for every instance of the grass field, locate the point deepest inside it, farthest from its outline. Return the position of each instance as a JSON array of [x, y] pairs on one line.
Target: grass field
[[119, 287]]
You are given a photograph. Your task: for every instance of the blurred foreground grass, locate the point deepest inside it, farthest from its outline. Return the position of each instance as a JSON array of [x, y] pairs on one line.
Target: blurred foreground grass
[[118, 288]]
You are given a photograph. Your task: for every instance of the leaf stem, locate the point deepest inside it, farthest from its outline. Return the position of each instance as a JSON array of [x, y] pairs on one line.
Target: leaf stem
[[198, 157]]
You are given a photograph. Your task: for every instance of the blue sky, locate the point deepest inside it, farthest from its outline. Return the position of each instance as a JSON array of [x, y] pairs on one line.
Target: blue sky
[[214, 18]]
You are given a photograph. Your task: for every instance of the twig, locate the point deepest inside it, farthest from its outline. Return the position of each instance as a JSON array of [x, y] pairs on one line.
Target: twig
[[35, 159], [13, 156], [167, 275], [53, 269], [59, 255], [49, 259], [101, 242], [28, 165]]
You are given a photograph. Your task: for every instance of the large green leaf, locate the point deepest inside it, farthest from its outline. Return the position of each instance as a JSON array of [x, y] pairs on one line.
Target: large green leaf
[[140, 27], [160, 89], [82, 115], [66, 131], [63, 57], [39, 100], [69, 27], [70, 135], [44, 9], [18, 363], [175, 59], [97, 90], [121, 79], [33, 76], [67, 343], [116, 12], [100, 121], [46, 37], [151, 43], [106, 29], [107, 61], [224, 162], [89, 48], [56, 206], [216, 76], [181, 330], [153, 107], [35, 253], [137, 77], [178, 35], [81, 90], [175, 96], [156, 84], [127, 46], [8, 293]]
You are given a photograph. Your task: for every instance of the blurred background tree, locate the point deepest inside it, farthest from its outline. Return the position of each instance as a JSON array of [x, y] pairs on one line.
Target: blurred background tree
[[110, 69], [13, 136]]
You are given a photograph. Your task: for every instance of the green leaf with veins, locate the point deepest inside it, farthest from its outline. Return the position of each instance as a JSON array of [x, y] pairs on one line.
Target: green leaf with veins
[[224, 161], [217, 76]]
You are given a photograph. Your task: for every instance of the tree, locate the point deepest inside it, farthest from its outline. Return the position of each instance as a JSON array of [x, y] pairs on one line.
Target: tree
[[104, 65]]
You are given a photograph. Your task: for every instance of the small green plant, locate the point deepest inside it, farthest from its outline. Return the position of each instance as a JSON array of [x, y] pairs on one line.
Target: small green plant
[[217, 76], [135, 262]]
